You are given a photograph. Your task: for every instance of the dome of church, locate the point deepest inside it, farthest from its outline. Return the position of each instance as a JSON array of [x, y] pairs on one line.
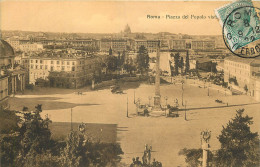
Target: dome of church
[[6, 49]]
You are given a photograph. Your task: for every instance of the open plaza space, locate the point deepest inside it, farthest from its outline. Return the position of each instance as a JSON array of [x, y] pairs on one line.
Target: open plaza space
[[166, 135]]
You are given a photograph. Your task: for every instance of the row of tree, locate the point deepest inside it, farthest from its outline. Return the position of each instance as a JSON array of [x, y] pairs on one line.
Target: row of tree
[[141, 64], [179, 63], [27, 142]]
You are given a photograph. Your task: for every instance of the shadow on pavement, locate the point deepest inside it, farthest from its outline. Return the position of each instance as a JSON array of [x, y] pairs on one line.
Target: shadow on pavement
[[234, 105], [48, 103]]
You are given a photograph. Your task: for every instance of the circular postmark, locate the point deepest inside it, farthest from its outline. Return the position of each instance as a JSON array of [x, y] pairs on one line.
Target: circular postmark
[[241, 31]]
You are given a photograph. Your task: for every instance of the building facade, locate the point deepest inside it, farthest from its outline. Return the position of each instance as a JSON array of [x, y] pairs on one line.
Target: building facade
[[16, 42], [74, 69], [117, 45], [202, 45], [150, 45], [3, 92], [241, 71], [14, 74], [177, 44], [31, 47], [257, 89], [41, 66]]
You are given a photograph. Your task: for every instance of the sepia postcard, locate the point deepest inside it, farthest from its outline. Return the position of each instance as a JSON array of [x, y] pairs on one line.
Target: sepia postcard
[[119, 83]]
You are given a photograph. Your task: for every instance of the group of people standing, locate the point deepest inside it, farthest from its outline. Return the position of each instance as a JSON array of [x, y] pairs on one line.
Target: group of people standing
[[146, 159]]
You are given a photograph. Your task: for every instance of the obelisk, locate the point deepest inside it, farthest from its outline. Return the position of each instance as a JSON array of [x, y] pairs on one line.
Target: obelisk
[[157, 97]]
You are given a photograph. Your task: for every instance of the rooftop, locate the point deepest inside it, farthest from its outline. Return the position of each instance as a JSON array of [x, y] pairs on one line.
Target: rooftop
[[252, 61], [61, 55]]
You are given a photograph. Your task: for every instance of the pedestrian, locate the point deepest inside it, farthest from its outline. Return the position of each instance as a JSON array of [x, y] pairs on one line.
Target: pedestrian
[[133, 163], [176, 101], [138, 163]]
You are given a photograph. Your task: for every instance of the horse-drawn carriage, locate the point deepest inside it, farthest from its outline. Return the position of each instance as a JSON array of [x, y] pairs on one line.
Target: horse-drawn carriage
[[143, 110], [172, 111], [218, 101], [116, 89]]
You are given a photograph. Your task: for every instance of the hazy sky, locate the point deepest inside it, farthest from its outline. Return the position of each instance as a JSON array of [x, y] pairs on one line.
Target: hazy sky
[[108, 17]]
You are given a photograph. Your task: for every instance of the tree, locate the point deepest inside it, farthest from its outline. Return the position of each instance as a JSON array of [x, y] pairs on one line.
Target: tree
[[35, 137], [142, 60], [176, 63], [181, 65], [110, 51], [104, 154], [28, 142], [74, 153], [9, 121], [30, 145], [9, 140], [187, 63], [112, 63], [122, 59], [239, 146], [129, 65], [81, 152]]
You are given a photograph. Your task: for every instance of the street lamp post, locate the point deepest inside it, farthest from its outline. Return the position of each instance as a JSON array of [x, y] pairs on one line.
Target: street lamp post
[[185, 110], [127, 107], [138, 102], [166, 98], [205, 137], [208, 88], [182, 93], [134, 96], [150, 98]]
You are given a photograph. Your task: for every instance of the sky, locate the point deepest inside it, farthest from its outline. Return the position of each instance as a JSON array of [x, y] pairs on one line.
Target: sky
[[109, 17]]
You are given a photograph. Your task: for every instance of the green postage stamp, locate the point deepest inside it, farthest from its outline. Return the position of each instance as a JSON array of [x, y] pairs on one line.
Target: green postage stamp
[[240, 23]]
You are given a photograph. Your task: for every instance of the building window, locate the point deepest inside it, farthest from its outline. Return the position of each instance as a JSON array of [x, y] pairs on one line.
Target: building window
[[51, 68], [36, 67], [40, 67], [62, 68], [73, 69], [51, 62], [36, 61], [41, 61], [68, 63], [31, 61], [46, 67], [58, 62]]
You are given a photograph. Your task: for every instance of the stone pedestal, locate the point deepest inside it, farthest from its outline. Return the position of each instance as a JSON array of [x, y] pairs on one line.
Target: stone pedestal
[[157, 102], [205, 148]]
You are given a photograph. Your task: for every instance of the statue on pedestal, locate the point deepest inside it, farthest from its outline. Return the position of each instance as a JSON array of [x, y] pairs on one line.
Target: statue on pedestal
[[205, 136]]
